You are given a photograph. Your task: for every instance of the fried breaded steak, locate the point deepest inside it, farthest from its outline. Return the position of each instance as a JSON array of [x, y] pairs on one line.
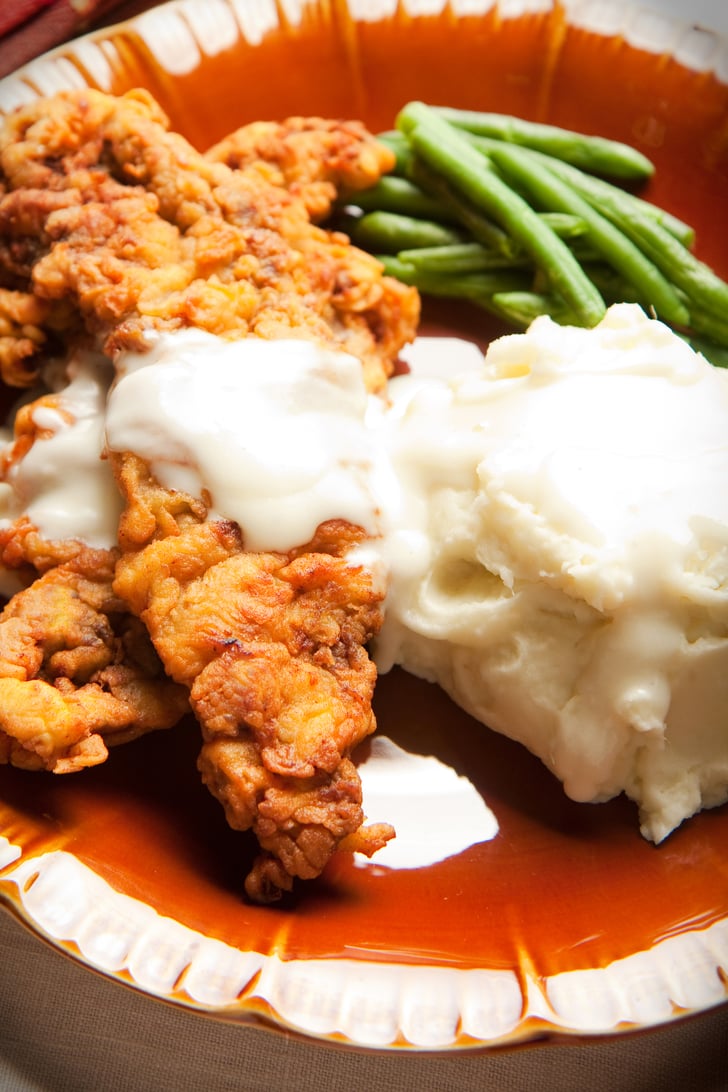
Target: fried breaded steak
[[77, 671], [109, 220], [111, 227], [271, 648]]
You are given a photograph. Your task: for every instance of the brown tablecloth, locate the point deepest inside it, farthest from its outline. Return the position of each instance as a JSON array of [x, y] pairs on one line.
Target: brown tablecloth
[[65, 1029]]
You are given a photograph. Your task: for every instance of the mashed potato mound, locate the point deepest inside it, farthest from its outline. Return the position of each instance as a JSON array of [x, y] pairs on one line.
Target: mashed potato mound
[[561, 563]]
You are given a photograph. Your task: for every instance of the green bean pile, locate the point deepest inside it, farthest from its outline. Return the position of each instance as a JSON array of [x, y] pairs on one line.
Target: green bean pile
[[519, 218]]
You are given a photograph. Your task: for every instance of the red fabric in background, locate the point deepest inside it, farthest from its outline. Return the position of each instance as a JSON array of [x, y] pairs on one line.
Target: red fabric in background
[[31, 27], [15, 12]]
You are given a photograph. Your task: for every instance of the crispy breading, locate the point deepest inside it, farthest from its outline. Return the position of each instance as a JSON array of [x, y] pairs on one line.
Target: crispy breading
[[77, 671], [105, 209], [22, 337], [316, 158], [115, 226], [76, 668], [272, 649]]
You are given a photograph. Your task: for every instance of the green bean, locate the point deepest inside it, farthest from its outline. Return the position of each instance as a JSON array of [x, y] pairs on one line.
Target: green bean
[[713, 328], [444, 149], [584, 252], [471, 257], [610, 283], [459, 258], [390, 232], [395, 267], [614, 246], [521, 308], [481, 212], [394, 194], [564, 224], [481, 227], [476, 287], [702, 286], [716, 355], [590, 153], [616, 204], [397, 143], [706, 324]]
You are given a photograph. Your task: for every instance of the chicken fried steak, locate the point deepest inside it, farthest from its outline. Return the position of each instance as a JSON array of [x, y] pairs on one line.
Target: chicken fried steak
[[113, 227], [271, 648], [77, 670]]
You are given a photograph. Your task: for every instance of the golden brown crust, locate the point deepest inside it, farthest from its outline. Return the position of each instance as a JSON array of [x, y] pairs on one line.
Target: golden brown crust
[[22, 337], [272, 649], [314, 158], [77, 672], [107, 211], [112, 225]]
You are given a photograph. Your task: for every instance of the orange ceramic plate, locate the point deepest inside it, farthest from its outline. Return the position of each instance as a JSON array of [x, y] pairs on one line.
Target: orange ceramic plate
[[567, 922]]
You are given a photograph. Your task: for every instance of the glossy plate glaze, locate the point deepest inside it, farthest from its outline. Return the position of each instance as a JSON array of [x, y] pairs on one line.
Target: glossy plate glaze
[[565, 922]]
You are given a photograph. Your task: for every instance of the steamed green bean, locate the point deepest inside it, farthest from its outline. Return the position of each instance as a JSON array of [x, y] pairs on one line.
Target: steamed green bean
[[446, 151], [695, 278], [459, 258], [653, 289], [521, 308], [477, 287], [590, 153], [617, 204], [482, 228], [394, 194], [391, 232], [515, 217]]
